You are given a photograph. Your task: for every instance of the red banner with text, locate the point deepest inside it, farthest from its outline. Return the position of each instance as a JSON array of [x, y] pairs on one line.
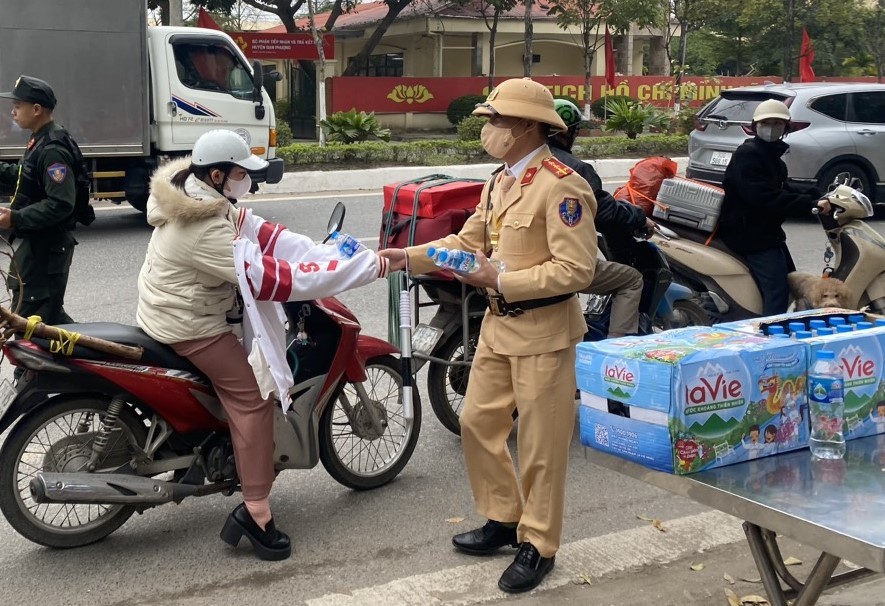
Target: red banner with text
[[259, 45], [433, 95]]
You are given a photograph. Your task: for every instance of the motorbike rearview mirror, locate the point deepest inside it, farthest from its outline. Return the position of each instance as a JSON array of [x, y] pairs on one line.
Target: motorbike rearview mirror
[[257, 96], [335, 221]]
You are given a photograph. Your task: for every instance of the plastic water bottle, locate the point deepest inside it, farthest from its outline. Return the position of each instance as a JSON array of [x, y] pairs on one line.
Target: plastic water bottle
[[825, 396], [816, 325], [796, 326], [434, 253], [458, 260], [347, 246], [803, 334], [837, 321]]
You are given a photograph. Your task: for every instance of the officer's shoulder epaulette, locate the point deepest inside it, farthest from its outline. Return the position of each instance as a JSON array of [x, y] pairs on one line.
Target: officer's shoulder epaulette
[[556, 167]]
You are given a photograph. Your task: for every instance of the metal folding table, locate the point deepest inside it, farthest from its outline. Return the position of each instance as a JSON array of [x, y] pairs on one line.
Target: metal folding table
[[837, 507]]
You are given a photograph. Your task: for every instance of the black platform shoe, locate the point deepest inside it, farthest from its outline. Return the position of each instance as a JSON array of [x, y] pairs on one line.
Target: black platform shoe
[[269, 544], [488, 539], [527, 570]]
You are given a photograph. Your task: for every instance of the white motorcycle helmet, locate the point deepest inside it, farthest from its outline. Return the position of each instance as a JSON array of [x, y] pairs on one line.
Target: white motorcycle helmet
[[225, 147]]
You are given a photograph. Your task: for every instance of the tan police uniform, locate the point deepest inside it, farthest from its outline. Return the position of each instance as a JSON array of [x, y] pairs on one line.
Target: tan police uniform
[[542, 229]]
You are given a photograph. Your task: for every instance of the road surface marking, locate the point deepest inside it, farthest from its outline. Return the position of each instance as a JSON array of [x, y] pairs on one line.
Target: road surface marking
[[592, 558]]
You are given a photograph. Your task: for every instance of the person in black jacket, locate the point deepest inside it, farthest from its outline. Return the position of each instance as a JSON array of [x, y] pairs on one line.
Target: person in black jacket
[[42, 213], [616, 220], [758, 199]]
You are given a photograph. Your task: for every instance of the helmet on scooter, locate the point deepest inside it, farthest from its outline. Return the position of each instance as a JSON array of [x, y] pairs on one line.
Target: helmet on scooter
[[225, 147], [771, 108]]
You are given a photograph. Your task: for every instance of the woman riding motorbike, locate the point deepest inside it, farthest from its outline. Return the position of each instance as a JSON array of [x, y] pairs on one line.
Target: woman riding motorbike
[[187, 290], [758, 199]]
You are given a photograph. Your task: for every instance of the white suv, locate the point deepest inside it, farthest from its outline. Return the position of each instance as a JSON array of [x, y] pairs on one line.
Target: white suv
[[837, 127]]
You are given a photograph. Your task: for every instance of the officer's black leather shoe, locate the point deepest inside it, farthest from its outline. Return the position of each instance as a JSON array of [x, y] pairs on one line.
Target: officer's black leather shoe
[[269, 544], [488, 539], [527, 570]]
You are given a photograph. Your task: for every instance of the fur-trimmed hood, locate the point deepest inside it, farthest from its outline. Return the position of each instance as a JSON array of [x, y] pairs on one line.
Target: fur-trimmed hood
[[168, 203]]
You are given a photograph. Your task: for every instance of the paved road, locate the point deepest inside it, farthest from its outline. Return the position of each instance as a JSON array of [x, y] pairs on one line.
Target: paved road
[[389, 546]]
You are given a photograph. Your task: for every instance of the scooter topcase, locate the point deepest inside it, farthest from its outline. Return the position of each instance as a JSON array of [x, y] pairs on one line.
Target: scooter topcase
[[688, 202]]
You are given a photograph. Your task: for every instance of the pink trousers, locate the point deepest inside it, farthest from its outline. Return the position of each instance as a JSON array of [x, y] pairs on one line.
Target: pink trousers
[[223, 359]]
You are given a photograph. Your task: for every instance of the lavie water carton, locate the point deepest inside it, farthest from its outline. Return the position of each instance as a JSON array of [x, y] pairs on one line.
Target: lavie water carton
[[860, 352], [696, 397]]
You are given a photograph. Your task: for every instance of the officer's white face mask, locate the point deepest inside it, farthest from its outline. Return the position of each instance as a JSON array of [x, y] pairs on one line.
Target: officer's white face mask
[[771, 132], [237, 189], [498, 140]]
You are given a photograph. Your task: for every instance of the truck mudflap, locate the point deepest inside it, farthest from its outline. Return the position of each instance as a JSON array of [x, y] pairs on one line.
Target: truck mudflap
[[272, 174]]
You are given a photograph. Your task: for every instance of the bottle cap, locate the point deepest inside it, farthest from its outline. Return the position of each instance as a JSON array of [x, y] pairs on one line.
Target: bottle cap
[[844, 328], [836, 321], [855, 318], [864, 325], [822, 332], [334, 234], [431, 252], [880, 321], [443, 256], [775, 330], [780, 336], [825, 354], [796, 326], [804, 334], [817, 324]]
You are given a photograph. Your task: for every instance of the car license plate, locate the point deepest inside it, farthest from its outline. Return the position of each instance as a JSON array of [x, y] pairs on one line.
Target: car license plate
[[720, 158], [7, 395], [425, 338]]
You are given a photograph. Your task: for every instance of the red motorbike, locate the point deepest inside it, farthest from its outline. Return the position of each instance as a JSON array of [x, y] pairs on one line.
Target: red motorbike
[[96, 438]]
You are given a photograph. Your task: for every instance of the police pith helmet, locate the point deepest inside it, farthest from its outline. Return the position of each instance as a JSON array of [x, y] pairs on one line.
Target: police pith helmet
[[522, 98], [225, 146], [771, 108]]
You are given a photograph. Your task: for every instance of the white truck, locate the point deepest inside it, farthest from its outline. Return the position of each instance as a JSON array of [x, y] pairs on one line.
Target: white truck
[[132, 95]]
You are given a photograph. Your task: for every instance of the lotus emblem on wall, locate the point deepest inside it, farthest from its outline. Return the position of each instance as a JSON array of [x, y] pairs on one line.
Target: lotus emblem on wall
[[410, 94]]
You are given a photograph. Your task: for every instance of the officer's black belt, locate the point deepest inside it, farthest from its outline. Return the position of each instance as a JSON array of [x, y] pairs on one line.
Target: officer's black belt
[[500, 307]]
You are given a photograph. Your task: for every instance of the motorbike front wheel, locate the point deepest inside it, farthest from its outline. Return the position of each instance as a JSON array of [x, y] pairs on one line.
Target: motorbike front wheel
[[365, 441], [447, 383], [58, 437], [686, 312]]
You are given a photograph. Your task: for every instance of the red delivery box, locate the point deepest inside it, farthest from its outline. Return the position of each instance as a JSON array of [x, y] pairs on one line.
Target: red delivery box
[[432, 196]]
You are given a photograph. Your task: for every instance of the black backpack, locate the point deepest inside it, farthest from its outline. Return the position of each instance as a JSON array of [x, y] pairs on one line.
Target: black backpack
[[83, 211]]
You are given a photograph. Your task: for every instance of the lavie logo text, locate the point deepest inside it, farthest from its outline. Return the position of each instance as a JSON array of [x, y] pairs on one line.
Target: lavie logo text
[[716, 390]]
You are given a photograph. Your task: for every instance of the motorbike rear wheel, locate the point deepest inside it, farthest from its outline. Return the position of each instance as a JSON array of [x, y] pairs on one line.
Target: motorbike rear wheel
[[447, 384], [58, 437], [354, 450]]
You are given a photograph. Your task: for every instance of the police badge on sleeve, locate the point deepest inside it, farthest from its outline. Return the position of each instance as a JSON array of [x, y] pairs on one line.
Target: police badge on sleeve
[[570, 211], [57, 172]]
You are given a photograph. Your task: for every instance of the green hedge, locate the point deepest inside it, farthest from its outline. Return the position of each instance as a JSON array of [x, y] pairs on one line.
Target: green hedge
[[446, 152]]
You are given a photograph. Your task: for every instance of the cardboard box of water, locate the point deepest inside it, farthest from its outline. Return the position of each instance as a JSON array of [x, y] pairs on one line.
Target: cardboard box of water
[[860, 353], [697, 397]]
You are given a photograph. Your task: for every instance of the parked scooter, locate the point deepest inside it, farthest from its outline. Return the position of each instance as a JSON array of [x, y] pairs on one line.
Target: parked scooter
[[449, 340], [726, 286], [96, 438]]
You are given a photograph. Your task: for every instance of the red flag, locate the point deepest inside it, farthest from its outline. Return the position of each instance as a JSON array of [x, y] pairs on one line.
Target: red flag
[[806, 56], [609, 59], [204, 19]]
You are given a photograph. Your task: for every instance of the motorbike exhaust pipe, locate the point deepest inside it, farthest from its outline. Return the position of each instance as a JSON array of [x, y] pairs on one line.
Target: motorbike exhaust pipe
[[101, 488]]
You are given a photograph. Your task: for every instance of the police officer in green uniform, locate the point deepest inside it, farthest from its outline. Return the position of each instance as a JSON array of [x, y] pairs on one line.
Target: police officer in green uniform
[[41, 215]]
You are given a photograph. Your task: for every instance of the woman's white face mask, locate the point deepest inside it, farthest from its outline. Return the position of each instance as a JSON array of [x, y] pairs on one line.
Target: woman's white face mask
[[237, 189], [771, 132]]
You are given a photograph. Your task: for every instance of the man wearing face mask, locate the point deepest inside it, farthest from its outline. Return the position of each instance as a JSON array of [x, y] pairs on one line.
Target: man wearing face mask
[[201, 248], [536, 216], [758, 200]]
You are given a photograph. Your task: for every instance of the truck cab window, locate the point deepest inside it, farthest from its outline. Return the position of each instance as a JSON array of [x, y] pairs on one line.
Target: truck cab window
[[212, 68]]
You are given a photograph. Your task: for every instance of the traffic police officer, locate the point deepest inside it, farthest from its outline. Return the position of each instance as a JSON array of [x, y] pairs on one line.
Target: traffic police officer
[[536, 216], [42, 208]]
